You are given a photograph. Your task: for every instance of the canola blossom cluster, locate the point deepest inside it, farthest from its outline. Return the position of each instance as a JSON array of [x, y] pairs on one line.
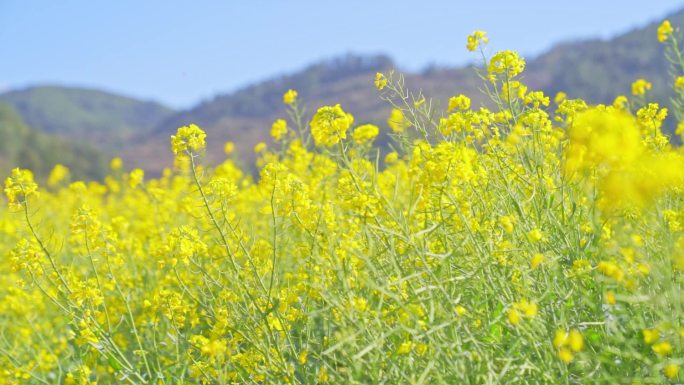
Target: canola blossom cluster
[[521, 241]]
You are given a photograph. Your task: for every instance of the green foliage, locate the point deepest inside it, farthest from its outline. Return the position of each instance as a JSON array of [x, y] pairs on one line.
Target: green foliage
[[22, 146]]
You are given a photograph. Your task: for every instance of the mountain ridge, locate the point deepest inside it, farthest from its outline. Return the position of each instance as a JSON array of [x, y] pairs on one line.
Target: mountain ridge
[[593, 69], [85, 114]]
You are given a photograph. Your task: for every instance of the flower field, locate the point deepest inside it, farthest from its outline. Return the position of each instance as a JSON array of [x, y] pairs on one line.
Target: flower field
[[538, 240]]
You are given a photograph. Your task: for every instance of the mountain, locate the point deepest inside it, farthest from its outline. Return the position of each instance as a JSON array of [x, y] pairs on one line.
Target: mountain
[[245, 116], [23, 146], [99, 118], [596, 70]]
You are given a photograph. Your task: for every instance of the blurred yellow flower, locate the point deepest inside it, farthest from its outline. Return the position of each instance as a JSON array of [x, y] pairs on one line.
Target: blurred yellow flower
[[289, 97], [397, 121], [365, 133], [460, 102], [279, 129], [640, 86], [664, 31], [58, 174], [380, 81], [476, 39]]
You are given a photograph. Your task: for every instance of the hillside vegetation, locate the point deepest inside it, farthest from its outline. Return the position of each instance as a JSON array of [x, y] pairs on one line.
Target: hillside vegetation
[[24, 146], [101, 118]]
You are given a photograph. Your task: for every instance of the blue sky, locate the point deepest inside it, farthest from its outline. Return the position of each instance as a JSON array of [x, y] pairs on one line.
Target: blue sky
[[180, 52]]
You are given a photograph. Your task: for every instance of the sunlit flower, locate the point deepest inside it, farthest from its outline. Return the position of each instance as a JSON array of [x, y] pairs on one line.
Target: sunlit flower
[[476, 39], [664, 31], [289, 97]]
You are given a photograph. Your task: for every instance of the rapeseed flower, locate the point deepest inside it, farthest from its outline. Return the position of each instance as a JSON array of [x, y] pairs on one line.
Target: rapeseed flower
[[640, 86], [664, 31], [279, 129], [188, 138], [290, 96], [20, 186], [476, 39], [365, 133]]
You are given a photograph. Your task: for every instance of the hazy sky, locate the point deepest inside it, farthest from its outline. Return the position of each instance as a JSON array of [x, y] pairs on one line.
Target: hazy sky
[[180, 52]]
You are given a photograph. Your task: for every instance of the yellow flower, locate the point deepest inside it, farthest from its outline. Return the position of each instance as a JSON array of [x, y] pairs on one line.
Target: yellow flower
[[521, 309], [397, 121], [391, 157], [680, 128], [535, 235], [359, 304], [567, 343], [380, 81], [475, 39], [405, 347], [209, 347], [506, 62], [679, 83], [640, 86], [513, 316], [323, 376], [610, 269], [513, 89], [651, 336], [303, 357], [136, 177], [621, 102], [639, 183], [330, 124], [671, 371], [664, 31], [188, 138], [279, 129], [260, 147], [365, 133], [560, 96], [528, 308], [610, 298], [58, 174], [116, 163], [20, 186], [565, 355], [289, 96], [575, 341], [508, 223], [662, 348], [460, 102], [537, 98], [601, 137], [537, 259], [228, 148]]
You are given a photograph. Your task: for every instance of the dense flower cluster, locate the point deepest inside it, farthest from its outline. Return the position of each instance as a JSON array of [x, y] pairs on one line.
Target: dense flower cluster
[[20, 186], [515, 242], [330, 124], [506, 62], [188, 138]]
